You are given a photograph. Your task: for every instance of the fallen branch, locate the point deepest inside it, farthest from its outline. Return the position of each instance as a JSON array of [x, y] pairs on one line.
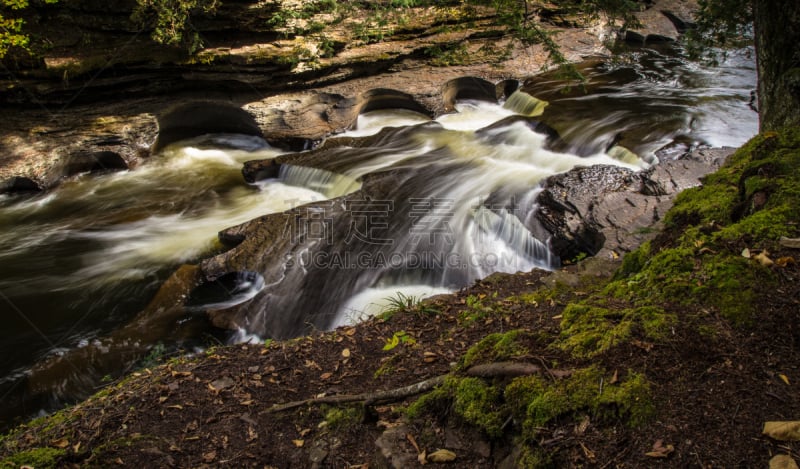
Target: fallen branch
[[511, 369], [489, 370], [370, 398]]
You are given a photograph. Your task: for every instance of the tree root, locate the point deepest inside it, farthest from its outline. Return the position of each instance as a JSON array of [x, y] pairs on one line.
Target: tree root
[[489, 370]]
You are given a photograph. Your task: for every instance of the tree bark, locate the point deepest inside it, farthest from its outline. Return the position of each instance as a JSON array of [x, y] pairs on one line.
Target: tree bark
[[777, 37]]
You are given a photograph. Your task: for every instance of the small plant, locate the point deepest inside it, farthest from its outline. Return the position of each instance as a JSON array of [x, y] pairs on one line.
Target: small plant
[[155, 356], [402, 303], [445, 56], [11, 33], [399, 337], [475, 309], [171, 22], [327, 47]]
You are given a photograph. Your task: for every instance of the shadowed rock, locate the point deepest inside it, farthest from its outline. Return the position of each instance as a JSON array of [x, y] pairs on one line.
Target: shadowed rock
[[200, 118], [609, 210], [468, 88], [18, 185], [80, 369], [98, 161]]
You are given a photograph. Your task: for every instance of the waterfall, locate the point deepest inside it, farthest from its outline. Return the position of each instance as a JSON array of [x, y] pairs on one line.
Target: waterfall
[[524, 104]]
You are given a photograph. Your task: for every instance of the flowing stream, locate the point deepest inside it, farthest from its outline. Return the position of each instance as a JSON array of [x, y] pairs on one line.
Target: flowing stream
[[80, 261]]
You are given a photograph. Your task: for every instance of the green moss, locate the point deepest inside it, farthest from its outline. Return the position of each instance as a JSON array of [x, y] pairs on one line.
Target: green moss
[[479, 404], [534, 402], [495, 347], [434, 402], [559, 290], [342, 418], [38, 458], [752, 201], [634, 262], [535, 458], [538, 402], [588, 330]]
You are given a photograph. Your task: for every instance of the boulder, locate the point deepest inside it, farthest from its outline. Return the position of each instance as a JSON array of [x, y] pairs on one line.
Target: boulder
[[609, 210], [93, 161], [18, 185]]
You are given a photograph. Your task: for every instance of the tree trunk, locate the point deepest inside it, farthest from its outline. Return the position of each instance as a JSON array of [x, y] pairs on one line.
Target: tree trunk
[[777, 31]]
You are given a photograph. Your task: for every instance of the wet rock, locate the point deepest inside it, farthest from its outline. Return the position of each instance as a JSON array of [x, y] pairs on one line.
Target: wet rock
[[553, 139], [113, 354], [18, 185], [394, 451], [608, 210], [318, 453], [200, 118], [98, 161], [474, 88], [662, 22]]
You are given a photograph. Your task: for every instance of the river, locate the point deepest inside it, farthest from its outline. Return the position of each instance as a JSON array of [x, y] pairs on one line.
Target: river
[[80, 261]]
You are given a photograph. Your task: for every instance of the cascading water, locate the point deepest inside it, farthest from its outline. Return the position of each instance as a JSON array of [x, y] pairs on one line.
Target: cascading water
[[456, 200], [448, 215]]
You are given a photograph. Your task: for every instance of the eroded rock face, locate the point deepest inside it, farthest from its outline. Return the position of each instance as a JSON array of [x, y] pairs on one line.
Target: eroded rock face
[[18, 185], [609, 210], [664, 21]]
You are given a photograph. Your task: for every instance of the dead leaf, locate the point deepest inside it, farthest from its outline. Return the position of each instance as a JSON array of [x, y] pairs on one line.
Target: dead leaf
[[325, 376], [413, 442], [785, 261], [746, 253], [305, 432], [784, 378], [782, 461], [350, 331], [589, 453], [312, 364], [660, 450], [210, 456], [423, 457], [251, 434], [763, 259], [60, 443], [221, 384], [176, 407], [248, 402], [162, 399], [581, 428], [783, 431], [76, 447], [614, 378], [181, 374], [346, 353], [385, 424], [646, 346], [299, 443], [442, 455]]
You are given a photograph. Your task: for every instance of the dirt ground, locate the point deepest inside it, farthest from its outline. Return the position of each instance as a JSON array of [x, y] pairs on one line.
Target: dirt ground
[[712, 392]]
